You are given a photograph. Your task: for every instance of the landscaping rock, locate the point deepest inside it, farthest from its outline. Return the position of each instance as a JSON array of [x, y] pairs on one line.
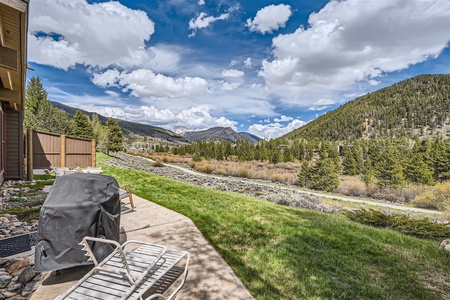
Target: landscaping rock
[[27, 275], [17, 267], [444, 243], [5, 280]]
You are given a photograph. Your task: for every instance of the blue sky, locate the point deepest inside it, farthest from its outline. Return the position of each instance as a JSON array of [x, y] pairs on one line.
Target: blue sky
[[266, 67]]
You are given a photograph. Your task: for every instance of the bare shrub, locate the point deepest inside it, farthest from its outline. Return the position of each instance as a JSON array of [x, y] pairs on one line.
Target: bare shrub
[[352, 186], [165, 159], [220, 171], [437, 197], [207, 168], [280, 178], [191, 164], [157, 164], [243, 172]]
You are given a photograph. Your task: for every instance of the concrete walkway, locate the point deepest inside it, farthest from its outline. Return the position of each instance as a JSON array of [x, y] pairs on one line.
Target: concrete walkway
[[209, 275]]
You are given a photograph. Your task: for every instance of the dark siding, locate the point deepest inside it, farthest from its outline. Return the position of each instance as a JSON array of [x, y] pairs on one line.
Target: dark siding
[[2, 145], [14, 144]]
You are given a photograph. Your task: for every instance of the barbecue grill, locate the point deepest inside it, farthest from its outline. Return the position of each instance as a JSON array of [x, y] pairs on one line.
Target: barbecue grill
[[77, 205]]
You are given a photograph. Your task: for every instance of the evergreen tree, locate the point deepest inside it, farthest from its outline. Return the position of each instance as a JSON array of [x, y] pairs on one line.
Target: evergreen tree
[[35, 96], [349, 164], [114, 136], [304, 175], [325, 175], [81, 126], [391, 171], [368, 174], [39, 113], [418, 171]]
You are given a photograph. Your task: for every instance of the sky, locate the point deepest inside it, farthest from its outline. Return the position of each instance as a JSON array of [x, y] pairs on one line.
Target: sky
[[265, 67]]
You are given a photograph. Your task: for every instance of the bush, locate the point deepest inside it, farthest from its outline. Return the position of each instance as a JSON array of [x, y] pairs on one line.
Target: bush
[[157, 164], [280, 178], [206, 168], [191, 164], [243, 172], [421, 228], [438, 197], [352, 186]]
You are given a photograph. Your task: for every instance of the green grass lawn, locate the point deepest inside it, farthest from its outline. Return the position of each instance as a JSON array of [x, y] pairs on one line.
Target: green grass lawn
[[286, 253]]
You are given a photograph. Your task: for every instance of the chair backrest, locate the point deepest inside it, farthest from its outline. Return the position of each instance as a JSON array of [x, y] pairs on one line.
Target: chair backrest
[[94, 170], [60, 171]]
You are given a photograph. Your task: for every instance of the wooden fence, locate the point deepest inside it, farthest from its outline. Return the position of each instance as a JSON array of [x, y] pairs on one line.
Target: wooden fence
[[50, 150]]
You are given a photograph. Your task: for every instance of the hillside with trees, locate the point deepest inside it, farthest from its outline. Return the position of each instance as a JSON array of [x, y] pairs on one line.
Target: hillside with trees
[[418, 105], [133, 132], [220, 134]]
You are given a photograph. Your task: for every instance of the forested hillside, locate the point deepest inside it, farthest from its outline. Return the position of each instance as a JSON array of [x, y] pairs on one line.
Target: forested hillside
[[220, 134], [419, 105]]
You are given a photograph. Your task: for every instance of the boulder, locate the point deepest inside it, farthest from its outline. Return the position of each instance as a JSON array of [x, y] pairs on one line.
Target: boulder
[[4, 281], [27, 275], [17, 267], [444, 243]]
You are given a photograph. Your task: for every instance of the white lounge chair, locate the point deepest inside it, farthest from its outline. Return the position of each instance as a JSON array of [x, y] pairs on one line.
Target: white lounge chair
[[146, 272]]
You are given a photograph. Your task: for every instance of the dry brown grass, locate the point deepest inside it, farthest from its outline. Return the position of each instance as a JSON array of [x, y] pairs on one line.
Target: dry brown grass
[[285, 173], [352, 186]]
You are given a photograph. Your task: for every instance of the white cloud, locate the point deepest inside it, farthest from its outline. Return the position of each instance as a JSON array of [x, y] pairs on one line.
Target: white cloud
[[351, 41], [76, 32], [232, 73], [233, 62], [229, 86], [321, 104], [194, 118], [270, 18], [283, 118], [146, 83], [167, 58], [224, 122], [274, 130], [201, 2], [248, 62], [203, 21]]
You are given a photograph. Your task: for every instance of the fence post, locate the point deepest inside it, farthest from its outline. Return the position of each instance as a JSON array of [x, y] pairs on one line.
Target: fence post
[[93, 163], [29, 154], [63, 151]]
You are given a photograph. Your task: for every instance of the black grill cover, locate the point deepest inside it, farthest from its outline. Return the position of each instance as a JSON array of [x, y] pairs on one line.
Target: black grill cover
[[78, 205]]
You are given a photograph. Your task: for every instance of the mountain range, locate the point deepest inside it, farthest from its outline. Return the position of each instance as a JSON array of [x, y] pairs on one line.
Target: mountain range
[[134, 132], [220, 134], [137, 132]]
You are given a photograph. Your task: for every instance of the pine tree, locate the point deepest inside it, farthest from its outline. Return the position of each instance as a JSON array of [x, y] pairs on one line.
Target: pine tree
[[39, 113], [114, 136], [81, 126], [391, 171], [35, 96], [325, 175], [304, 175], [368, 174], [349, 164], [418, 171]]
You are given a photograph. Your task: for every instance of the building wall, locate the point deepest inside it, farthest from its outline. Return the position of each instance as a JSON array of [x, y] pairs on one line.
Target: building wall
[[14, 144], [2, 146]]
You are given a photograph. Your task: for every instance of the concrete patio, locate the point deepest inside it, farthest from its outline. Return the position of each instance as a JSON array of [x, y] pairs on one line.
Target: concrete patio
[[209, 275]]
